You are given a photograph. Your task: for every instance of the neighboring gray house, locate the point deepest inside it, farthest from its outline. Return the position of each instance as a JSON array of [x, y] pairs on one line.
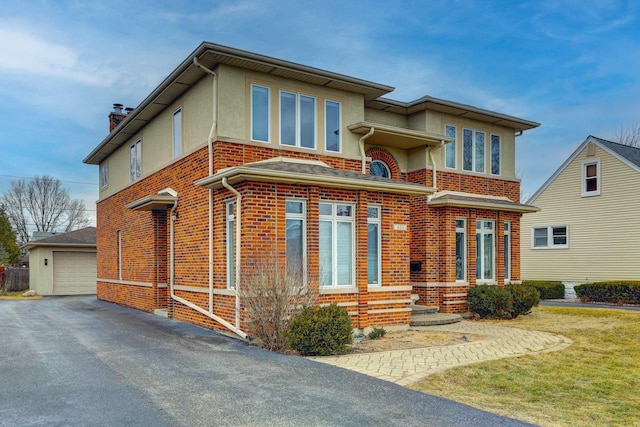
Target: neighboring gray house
[[63, 264]]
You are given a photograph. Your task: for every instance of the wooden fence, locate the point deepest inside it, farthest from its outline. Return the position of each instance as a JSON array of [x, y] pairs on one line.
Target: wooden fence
[[14, 279]]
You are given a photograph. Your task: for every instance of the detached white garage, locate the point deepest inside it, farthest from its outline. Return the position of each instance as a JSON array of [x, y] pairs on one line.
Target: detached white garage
[[63, 264]]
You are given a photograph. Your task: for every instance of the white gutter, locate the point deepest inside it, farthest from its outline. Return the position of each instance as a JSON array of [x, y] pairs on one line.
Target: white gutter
[[238, 222], [361, 145], [214, 125], [172, 280]]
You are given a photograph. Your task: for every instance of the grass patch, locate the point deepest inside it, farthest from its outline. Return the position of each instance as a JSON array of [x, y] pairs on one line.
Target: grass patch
[[17, 296], [594, 382]]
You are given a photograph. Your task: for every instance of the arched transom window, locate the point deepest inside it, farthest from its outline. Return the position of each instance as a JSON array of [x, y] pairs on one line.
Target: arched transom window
[[379, 168]]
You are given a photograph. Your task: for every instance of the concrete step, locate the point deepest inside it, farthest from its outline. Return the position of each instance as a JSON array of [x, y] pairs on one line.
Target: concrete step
[[163, 312], [424, 309], [435, 319]]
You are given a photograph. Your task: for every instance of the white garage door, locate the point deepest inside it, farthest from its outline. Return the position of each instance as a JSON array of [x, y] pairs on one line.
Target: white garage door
[[74, 273]]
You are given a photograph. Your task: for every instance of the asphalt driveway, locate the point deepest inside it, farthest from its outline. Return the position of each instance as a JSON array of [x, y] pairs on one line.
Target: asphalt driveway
[[79, 361]]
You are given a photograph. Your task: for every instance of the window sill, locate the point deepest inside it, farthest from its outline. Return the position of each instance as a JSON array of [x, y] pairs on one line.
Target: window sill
[[546, 248], [595, 193], [344, 290]]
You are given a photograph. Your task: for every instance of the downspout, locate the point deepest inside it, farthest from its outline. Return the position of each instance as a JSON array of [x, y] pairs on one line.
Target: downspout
[[214, 124], [361, 145], [433, 164], [238, 221], [172, 280]]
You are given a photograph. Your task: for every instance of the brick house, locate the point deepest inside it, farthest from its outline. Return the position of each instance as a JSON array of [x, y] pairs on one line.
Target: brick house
[[236, 156]]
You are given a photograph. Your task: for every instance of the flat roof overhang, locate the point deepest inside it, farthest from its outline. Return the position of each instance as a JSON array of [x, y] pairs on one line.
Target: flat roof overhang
[[397, 137], [478, 201], [153, 202], [242, 173]]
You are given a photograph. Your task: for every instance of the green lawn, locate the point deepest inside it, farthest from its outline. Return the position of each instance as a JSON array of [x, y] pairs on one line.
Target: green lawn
[[594, 382]]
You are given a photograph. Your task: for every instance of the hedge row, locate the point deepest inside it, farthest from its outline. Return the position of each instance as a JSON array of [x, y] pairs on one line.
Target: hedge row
[[548, 289], [615, 292]]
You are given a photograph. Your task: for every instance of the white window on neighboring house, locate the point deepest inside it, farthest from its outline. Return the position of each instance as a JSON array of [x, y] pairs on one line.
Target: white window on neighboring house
[[260, 117], [296, 238], [297, 120], [473, 150], [332, 124], [337, 245], [591, 178], [177, 132], [231, 247], [507, 250], [461, 250], [495, 154], [450, 147], [374, 264], [550, 237], [104, 175], [135, 161], [485, 251]]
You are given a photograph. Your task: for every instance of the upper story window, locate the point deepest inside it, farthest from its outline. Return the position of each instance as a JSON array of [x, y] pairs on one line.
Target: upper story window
[[104, 175], [332, 120], [473, 150], [450, 148], [550, 237], [177, 132], [135, 161], [591, 178], [260, 113], [379, 168], [495, 154], [297, 120]]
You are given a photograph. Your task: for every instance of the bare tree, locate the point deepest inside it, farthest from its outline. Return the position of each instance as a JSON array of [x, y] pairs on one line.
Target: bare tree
[[629, 135], [42, 204]]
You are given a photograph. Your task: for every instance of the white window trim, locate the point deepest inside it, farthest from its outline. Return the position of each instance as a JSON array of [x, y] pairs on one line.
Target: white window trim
[[473, 151], [455, 147], [339, 122], [383, 163], [178, 152], [550, 244], [377, 221], [462, 229], [300, 216], [482, 232], [104, 175], [133, 174], [334, 243], [119, 254], [491, 154], [268, 113], [507, 250], [298, 119], [586, 163], [230, 226]]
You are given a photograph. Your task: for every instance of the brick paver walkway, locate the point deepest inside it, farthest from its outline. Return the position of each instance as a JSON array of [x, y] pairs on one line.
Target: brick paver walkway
[[407, 366]]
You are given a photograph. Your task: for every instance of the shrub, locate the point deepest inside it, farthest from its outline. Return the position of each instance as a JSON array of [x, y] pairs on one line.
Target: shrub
[[547, 289], [377, 333], [491, 301], [320, 331], [502, 302], [270, 296], [523, 298], [614, 292]]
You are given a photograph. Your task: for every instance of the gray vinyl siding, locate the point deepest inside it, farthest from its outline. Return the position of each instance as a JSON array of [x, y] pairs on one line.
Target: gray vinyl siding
[[603, 231]]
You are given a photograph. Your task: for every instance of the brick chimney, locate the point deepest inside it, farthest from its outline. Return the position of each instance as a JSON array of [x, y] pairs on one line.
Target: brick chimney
[[116, 116]]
